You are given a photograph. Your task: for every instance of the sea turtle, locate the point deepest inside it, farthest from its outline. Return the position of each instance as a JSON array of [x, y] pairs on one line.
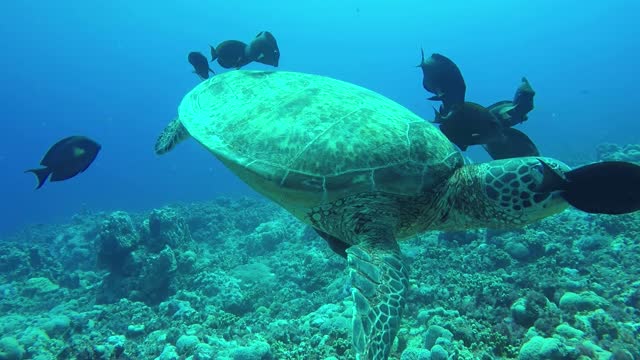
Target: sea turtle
[[363, 171]]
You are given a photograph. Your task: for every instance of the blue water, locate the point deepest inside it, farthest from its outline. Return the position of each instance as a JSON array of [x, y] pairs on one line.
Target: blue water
[[116, 71]]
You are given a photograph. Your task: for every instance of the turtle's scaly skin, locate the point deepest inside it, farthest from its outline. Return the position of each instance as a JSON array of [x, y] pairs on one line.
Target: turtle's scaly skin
[[361, 169], [507, 192]]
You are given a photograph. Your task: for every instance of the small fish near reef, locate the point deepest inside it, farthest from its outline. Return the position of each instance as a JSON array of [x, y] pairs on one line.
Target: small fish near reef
[[66, 159], [200, 65]]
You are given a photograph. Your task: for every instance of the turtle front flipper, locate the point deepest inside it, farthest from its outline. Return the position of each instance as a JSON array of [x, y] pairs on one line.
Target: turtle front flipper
[[379, 281], [173, 134]]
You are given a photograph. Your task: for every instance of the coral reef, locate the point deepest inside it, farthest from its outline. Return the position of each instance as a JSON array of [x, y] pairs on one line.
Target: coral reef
[[614, 152], [241, 279]]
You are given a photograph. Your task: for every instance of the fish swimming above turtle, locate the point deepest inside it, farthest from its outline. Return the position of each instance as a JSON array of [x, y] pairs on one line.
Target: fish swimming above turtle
[[513, 112], [364, 172], [523, 99], [200, 65], [66, 159], [473, 124], [469, 124], [234, 54], [264, 49], [230, 54], [442, 77], [513, 143]]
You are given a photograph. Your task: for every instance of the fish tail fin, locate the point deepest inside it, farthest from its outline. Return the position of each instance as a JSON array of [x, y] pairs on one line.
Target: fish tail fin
[[214, 54], [422, 59], [42, 174]]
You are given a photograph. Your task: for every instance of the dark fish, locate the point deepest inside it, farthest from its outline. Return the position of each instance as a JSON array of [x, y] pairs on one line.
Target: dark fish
[[610, 187], [442, 77], [514, 112], [231, 54], [523, 101], [524, 97], [200, 64], [469, 124], [264, 49], [66, 159], [514, 143]]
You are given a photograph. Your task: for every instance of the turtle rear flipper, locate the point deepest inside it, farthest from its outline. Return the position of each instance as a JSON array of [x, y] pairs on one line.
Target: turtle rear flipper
[[379, 279], [173, 134]]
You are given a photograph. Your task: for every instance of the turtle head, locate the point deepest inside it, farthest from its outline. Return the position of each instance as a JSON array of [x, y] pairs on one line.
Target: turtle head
[[507, 193], [516, 190]]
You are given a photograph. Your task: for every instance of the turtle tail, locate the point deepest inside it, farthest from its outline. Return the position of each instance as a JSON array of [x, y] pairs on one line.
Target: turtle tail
[[173, 134]]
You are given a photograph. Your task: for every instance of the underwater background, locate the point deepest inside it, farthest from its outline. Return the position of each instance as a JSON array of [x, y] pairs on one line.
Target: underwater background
[[116, 72], [243, 279]]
